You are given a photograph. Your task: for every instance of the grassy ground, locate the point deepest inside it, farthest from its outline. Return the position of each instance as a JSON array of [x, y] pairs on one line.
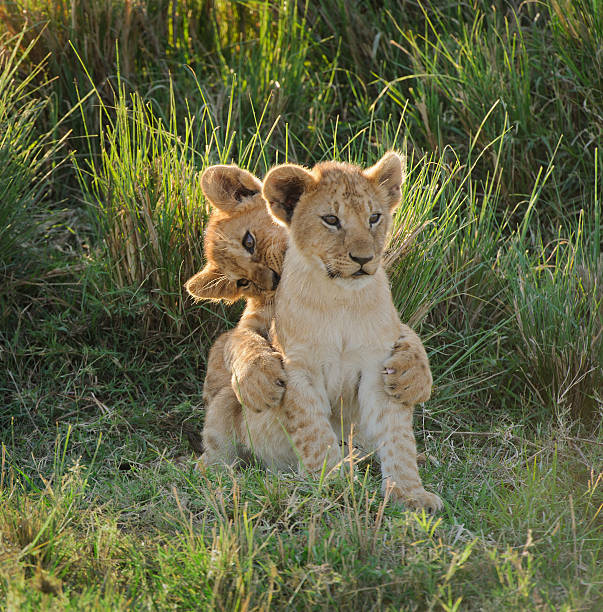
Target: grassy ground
[[109, 110]]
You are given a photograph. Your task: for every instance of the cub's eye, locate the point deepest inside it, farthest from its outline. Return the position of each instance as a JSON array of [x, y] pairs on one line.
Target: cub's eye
[[331, 220], [242, 282], [374, 218], [248, 242]]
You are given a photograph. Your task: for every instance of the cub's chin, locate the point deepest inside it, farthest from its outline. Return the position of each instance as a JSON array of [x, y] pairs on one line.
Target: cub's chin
[[353, 283]]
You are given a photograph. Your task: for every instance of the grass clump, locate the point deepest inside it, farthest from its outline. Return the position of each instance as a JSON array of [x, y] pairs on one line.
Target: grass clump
[[468, 77], [557, 303], [146, 205], [26, 156]]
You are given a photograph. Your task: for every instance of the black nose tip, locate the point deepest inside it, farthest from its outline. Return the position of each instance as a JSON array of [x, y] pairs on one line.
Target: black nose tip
[[360, 260], [275, 279]]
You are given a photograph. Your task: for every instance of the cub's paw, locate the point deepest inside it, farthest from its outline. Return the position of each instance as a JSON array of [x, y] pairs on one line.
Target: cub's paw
[[262, 385], [328, 459], [202, 463], [217, 458], [406, 374], [418, 500]]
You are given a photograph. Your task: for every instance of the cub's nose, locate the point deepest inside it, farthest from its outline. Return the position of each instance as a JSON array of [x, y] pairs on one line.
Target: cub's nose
[[360, 260]]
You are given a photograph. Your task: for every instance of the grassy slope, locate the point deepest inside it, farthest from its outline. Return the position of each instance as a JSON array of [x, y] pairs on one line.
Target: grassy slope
[[102, 359]]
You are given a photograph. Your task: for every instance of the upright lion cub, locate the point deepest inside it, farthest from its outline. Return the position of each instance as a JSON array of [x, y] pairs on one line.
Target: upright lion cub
[[336, 323]]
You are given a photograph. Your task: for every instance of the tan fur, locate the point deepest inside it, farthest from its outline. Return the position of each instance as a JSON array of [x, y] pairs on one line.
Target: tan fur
[[245, 379], [337, 328], [232, 430]]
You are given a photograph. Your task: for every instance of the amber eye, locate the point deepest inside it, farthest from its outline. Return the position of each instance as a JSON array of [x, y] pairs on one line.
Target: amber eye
[[374, 218], [242, 282], [331, 220], [248, 242]]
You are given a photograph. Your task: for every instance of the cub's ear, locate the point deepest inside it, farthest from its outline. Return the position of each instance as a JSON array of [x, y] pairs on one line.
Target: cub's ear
[[389, 173], [211, 284], [283, 187], [227, 187]]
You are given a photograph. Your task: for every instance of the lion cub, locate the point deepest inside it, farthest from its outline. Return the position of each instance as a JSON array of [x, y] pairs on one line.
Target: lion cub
[[244, 249], [336, 324]]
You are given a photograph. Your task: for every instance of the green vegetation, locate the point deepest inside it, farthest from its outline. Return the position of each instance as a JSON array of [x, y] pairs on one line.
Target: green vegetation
[[109, 111]]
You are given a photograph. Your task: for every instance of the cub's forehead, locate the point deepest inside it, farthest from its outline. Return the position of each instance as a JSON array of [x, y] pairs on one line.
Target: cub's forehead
[[344, 185], [231, 226], [220, 239], [228, 255]]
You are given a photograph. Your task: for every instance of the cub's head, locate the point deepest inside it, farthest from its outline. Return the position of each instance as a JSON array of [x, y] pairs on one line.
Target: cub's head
[[338, 214], [243, 246]]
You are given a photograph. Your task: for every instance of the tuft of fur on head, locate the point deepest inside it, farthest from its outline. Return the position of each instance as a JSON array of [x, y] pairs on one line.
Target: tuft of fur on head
[[338, 213], [243, 246]]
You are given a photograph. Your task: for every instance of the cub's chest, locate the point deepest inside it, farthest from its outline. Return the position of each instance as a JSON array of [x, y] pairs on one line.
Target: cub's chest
[[335, 324], [347, 334], [339, 360]]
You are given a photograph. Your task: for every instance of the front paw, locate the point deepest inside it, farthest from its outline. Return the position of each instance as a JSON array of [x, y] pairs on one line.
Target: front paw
[[406, 374], [262, 383], [418, 500]]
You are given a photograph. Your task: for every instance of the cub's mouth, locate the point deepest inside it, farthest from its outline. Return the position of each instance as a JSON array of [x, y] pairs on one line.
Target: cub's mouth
[[333, 272]]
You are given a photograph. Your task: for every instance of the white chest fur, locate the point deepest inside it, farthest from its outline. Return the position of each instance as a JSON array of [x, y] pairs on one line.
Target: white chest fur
[[335, 329]]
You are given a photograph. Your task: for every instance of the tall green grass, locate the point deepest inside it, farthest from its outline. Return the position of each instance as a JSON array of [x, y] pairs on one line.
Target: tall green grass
[[146, 203], [500, 70], [557, 303], [533, 71], [27, 157]]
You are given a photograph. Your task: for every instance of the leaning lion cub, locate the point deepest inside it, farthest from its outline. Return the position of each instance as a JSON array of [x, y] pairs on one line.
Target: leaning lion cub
[[335, 321], [245, 380]]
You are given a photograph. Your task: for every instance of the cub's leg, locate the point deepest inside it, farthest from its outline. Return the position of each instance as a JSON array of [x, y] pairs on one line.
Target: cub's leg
[[387, 424], [222, 409], [231, 429], [220, 435], [406, 373], [306, 410]]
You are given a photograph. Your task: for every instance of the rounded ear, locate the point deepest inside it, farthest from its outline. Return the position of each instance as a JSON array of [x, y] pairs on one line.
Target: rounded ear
[[211, 284], [226, 187], [389, 173], [283, 187]]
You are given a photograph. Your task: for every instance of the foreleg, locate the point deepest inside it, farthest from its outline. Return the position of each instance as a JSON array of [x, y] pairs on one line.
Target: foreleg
[[406, 374], [306, 413], [388, 424], [258, 378]]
